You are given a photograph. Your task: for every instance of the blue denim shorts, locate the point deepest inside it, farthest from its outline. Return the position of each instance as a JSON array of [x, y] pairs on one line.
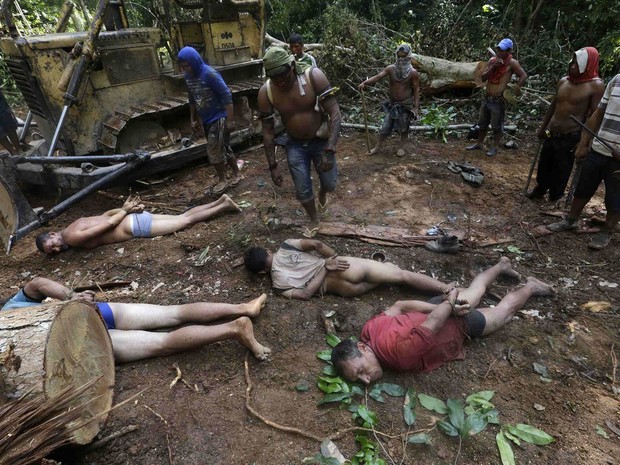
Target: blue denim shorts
[[300, 155]]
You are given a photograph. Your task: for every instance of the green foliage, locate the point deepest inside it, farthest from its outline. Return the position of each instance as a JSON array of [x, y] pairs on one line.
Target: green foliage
[[432, 403], [367, 455], [320, 459], [409, 406], [439, 118]]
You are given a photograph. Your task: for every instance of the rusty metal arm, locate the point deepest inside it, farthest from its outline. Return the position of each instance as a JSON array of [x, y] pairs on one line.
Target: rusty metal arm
[[71, 160], [137, 158]]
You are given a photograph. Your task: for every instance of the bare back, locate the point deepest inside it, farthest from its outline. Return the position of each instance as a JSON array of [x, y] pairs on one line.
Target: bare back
[[578, 100], [74, 234]]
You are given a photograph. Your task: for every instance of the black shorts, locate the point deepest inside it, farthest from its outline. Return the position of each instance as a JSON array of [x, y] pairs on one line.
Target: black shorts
[[597, 168], [475, 323]]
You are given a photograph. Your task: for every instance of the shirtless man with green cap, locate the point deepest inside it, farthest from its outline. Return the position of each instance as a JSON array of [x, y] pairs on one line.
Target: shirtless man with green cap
[[306, 103]]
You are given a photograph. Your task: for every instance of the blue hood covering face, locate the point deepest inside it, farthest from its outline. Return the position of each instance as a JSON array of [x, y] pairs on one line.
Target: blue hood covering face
[[191, 56]]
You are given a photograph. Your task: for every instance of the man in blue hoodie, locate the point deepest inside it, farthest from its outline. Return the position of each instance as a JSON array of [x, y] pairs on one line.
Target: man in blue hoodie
[[211, 100]]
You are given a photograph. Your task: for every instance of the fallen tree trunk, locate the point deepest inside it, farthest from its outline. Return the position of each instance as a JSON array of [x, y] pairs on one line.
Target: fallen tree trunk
[[47, 348], [423, 128], [438, 75]]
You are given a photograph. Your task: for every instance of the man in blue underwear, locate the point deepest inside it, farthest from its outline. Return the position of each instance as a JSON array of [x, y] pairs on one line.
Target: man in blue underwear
[[130, 325], [122, 224]]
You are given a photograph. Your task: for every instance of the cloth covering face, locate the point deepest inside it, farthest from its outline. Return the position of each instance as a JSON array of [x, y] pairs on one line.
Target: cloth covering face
[[207, 90], [403, 64], [587, 59], [292, 268], [402, 344]]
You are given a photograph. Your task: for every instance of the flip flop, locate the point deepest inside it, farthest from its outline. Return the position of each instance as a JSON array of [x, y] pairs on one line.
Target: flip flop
[[235, 181], [323, 207], [310, 233], [219, 190]]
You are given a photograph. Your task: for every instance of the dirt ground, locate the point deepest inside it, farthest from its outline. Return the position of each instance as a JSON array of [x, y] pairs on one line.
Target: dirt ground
[[205, 420]]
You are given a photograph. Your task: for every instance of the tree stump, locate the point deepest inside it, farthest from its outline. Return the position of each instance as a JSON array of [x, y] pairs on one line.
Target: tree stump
[[439, 75], [46, 348]]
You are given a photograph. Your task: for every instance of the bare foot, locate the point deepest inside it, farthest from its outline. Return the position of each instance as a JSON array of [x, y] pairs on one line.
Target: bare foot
[[232, 206], [246, 337], [538, 287], [506, 267], [374, 151], [254, 307]]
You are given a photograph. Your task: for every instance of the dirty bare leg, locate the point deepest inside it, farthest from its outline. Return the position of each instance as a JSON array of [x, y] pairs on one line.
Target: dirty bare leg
[[483, 280], [136, 345], [232, 163], [380, 141], [219, 169], [204, 212], [504, 311], [374, 273], [147, 316], [310, 207]]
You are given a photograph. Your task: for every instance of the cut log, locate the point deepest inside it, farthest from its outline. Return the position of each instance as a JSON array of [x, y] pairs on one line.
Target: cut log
[[438, 75], [46, 348]]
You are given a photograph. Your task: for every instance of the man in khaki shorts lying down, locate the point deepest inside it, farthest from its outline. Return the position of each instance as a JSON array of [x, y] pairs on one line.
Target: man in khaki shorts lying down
[[302, 268]]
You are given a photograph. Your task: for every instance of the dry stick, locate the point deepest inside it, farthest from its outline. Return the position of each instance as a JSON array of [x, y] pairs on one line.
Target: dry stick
[[103, 441], [288, 429], [365, 120], [614, 361], [167, 435], [534, 241]]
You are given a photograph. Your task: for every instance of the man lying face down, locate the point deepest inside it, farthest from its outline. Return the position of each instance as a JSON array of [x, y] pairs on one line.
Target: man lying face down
[[133, 327], [301, 268], [420, 336]]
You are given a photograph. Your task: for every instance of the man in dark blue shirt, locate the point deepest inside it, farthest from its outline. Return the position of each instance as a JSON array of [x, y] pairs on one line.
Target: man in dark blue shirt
[[8, 128], [211, 101]]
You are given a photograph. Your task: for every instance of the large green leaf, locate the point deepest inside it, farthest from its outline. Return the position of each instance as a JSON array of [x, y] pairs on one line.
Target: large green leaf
[[456, 414], [492, 416], [420, 438], [505, 451], [332, 340], [432, 403], [512, 437], [328, 388], [484, 395], [334, 397], [331, 379], [329, 370], [325, 355], [447, 428], [530, 434], [408, 406], [376, 394], [475, 423], [368, 416], [391, 389]]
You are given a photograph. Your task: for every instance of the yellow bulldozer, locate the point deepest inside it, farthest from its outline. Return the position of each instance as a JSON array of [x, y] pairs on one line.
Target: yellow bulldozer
[[110, 103]]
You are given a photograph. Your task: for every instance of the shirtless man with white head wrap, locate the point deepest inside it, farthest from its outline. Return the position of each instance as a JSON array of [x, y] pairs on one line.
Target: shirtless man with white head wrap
[[404, 103]]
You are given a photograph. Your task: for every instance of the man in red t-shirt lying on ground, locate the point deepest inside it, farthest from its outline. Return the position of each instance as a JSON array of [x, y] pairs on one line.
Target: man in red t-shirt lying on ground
[[421, 336]]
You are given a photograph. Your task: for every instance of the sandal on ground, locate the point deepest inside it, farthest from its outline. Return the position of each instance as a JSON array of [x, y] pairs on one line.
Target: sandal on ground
[[600, 240], [492, 152], [323, 207], [564, 225], [219, 188], [454, 167], [473, 147], [236, 180], [310, 233], [444, 244]]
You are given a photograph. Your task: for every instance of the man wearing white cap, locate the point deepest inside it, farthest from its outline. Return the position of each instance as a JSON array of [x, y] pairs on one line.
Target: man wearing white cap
[[497, 75]]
